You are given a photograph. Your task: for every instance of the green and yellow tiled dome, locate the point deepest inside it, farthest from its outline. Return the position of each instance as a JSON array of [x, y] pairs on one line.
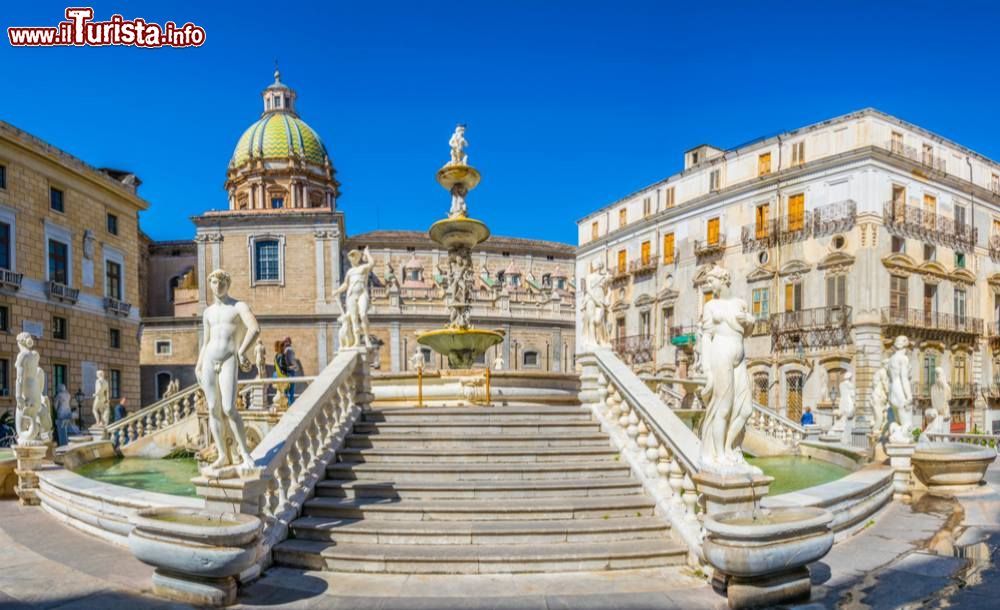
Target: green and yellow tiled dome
[[279, 135]]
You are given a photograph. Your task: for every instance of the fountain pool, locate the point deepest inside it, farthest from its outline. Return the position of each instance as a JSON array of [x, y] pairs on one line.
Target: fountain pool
[[171, 477], [792, 473]]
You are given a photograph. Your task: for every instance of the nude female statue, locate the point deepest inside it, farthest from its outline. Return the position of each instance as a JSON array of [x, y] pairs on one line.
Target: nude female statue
[[726, 393], [595, 306], [356, 307], [900, 393], [33, 420], [230, 328], [101, 406]]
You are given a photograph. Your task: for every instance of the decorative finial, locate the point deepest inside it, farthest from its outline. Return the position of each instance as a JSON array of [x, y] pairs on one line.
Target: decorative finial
[[277, 73]]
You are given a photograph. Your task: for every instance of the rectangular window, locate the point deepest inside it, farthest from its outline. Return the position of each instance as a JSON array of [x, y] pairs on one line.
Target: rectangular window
[[930, 253], [797, 212], [995, 183], [622, 217], [530, 358], [647, 206], [670, 197], [836, 291], [266, 263], [668, 321], [56, 200], [112, 224], [668, 249], [715, 180], [645, 252], [793, 297], [959, 218], [277, 203], [115, 383], [960, 260], [896, 143], [645, 327], [928, 155], [3, 176], [960, 306], [622, 261], [58, 262], [760, 303], [60, 328], [898, 245], [113, 277], [799, 153], [164, 348], [898, 201], [593, 230], [5, 246], [760, 220], [930, 299], [764, 164], [4, 318], [712, 232], [4, 377], [114, 338], [996, 226], [930, 210], [60, 376]]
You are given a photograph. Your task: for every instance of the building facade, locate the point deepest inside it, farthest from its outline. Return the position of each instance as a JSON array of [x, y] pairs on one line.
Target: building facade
[[282, 238], [840, 236], [69, 267]]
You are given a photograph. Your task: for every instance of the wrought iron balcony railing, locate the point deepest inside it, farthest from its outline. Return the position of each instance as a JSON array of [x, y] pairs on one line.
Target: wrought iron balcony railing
[[959, 391], [635, 349], [928, 160], [811, 328], [992, 391], [10, 279], [827, 220], [911, 221], [706, 248], [933, 324], [116, 307], [62, 292]]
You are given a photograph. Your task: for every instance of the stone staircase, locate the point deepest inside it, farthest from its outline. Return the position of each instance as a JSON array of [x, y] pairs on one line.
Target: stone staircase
[[467, 490]]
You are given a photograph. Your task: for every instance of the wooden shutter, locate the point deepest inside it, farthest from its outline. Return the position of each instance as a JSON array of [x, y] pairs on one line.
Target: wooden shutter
[[713, 231], [796, 212], [668, 248]]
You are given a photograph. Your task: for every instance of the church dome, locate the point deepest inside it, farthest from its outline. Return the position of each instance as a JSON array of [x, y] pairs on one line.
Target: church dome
[[279, 135]]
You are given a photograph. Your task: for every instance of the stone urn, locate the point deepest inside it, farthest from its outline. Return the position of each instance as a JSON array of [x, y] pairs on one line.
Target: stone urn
[[760, 557], [197, 555], [946, 468]]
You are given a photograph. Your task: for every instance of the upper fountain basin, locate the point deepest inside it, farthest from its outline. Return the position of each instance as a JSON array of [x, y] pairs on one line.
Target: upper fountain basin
[[459, 232], [450, 175]]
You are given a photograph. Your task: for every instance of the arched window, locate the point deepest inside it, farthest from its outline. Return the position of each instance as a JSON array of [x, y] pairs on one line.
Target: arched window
[[428, 354], [760, 383], [833, 379], [793, 393], [162, 381]]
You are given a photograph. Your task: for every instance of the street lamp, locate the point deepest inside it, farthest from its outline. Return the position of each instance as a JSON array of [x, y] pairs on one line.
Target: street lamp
[[79, 397]]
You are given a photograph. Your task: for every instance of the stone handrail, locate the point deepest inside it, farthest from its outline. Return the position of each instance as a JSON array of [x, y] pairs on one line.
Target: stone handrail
[[157, 416], [776, 426], [294, 454], [658, 446], [980, 440]]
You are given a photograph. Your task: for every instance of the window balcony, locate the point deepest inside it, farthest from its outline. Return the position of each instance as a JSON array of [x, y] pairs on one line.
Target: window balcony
[[641, 267], [992, 391], [929, 161], [10, 279], [995, 248], [704, 249], [633, 350], [811, 328], [959, 391], [681, 336], [917, 323], [761, 326], [827, 220], [62, 292], [993, 332], [116, 307], [910, 221]]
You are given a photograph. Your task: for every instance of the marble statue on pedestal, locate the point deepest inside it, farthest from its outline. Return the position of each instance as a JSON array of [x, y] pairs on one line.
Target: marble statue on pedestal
[[417, 360], [229, 328], [458, 144], [596, 302], [459, 287], [498, 363], [900, 392], [880, 401], [845, 408], [64, 416], [354, 320], [101, 406], [32, 417], [725, 321], [940, 412], [260, 359]]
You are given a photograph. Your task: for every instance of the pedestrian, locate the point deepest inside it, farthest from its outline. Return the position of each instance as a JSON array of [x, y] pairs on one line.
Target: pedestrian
[[120, 411]]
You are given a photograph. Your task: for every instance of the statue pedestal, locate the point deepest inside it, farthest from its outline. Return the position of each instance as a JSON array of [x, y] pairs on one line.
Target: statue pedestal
[[813, 432], [899, 458], [234, 495], [722, 493], [29, 458], [98, 433]]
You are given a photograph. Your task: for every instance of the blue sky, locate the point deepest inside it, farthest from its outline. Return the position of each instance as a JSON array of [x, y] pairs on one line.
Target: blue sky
[[570, 105]]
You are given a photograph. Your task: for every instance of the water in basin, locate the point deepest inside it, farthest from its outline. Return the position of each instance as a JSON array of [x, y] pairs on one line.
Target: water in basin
[[162, 476], [197, 520], [792, 473], [6, 454]]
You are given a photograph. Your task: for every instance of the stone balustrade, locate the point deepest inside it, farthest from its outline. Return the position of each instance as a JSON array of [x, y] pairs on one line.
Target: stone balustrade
[[980, 440], [776, 426], [660, 448], [166, 412]]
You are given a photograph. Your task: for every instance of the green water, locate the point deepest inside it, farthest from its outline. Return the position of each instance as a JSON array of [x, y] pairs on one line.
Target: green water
[[6, 454], [162, 476], [792, 473], [195, 520]]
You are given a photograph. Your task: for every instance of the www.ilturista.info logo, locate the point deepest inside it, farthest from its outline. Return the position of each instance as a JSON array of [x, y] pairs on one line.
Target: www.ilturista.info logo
[[80, 30]]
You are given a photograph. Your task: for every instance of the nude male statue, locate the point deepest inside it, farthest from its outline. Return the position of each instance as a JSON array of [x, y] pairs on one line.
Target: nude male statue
[[32, 420], [102, 400], [230, 328], [356, 286]]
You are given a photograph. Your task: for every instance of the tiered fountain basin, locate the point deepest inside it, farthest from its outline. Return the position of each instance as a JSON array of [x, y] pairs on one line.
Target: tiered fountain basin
[[163, 476], [761, 557], [445, 388], [459, 232], [461, 345], [197, 555], [948, 468]]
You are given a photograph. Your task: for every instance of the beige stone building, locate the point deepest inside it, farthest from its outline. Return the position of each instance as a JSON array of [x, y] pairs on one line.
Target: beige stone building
[[69, 267], [282, 238]]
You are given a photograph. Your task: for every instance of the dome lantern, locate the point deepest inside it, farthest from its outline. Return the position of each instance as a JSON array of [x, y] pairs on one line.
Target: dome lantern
[[278, 97]]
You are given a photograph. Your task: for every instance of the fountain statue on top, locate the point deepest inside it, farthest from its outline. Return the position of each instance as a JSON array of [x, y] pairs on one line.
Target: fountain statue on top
[[724, 322], [458, 234]]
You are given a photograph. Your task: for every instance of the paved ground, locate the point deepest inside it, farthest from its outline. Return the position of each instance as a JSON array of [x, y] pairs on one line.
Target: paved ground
[[902, 560]]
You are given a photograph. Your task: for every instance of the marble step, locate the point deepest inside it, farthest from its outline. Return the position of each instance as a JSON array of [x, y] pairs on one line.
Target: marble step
[[437, 439], [470, 490], [398, 472], [493, 415], [600, 507], [478, 559], [475, 456], [343, 531], [476, 427]]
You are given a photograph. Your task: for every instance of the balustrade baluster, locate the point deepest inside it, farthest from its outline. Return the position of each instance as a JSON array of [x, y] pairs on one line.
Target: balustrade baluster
[[690, 497]]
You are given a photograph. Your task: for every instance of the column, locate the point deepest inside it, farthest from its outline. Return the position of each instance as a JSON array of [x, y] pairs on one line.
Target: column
[[394, 348], [867, 361], [201, 272], [557, 350], [506, 347]]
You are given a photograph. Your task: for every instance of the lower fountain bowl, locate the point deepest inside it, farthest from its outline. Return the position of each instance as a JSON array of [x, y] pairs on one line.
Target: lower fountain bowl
[[459, 232], [946, 468], [461, 346]]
